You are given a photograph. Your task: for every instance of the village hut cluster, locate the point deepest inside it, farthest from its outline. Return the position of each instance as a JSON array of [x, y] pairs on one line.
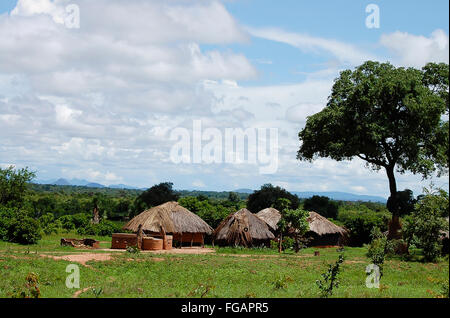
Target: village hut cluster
[[170, 224]]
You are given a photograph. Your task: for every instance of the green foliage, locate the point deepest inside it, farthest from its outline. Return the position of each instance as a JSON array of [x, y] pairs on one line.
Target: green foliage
[[267, 197], [383, 114], [379, 248], [444, 289], [322, 205], [17, 226], [48, 224], [422, 228], [24, 229], [14, 185], [287, 243], [103, 228], [390, 117], [404, 202], [329, 279], [156, 195], [294, 221], [133, 249], [361, 223], [97, 292], [282, 282], [212, 212]]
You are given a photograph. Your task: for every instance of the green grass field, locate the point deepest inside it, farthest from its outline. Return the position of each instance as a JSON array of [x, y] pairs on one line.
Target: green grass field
[[226, 273]]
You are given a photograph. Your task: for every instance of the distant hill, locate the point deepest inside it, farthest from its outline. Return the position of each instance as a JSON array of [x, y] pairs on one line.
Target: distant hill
[[342, 196], [339, 196], [83, 183], [248, 191], [61, 181], [95, 185], [121, 186]]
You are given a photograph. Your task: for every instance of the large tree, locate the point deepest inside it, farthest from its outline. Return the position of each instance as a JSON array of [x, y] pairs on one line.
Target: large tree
[[267, 197], [156, 195], [395, 119], [14, 184]]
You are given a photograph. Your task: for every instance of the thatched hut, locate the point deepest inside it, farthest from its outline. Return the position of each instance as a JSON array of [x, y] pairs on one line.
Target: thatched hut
[[242, 228], [323, 232], [171, 218], [271, 216]]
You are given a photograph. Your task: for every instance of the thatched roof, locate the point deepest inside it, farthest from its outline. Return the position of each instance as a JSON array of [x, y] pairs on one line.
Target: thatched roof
[[271, 216], [241, 228], [321, 226], [172, 217]]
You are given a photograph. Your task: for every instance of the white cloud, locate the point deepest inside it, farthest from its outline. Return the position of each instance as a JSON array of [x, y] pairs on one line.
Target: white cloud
[[345, 53], [417, 50], [198, 184]]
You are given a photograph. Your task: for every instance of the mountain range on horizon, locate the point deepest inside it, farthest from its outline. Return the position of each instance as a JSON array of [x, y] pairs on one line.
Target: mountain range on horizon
[[334, 195], [83, 183]]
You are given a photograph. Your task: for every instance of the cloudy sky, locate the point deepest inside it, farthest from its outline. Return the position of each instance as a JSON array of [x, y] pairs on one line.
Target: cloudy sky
[[99, 102]]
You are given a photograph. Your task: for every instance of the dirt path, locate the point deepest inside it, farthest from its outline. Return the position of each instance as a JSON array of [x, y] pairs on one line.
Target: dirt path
[[81, 258]]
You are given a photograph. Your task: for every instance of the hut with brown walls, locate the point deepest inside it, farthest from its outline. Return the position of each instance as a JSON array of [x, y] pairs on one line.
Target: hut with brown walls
[[171, 218], [242, 228], [323, 232]]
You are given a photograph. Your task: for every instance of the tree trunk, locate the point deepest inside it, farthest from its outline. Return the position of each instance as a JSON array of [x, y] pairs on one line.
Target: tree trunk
[[392, 205]]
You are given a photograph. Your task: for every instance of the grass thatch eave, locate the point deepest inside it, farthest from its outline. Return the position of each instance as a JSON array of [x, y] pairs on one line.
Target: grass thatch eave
[[322, 226], [271, 216], [170, 216]]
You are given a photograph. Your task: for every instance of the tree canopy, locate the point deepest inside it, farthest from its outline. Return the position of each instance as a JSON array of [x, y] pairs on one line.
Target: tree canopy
[[156, 195], [322, 205], [267, 197], [392, 118], [14, 184]]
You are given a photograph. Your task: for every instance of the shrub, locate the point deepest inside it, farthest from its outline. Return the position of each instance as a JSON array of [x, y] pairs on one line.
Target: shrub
[[379, 248], [330, 280], [24, 230], [104, 228], [422, 228], [6, 217], [48, 224], [360, 224], [287, 243]]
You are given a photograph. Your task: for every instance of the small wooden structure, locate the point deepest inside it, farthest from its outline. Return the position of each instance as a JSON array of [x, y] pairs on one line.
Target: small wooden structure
[[123, 240], [152, 243]]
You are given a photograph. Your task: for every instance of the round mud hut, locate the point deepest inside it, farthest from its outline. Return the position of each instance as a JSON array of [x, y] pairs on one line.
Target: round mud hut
[[171, 218], [271, 216], [242, 228], [323, 232]]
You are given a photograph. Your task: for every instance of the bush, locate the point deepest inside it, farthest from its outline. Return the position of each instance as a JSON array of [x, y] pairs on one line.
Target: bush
[[379, 248], [24, 230], [287, 243], [48, 224], [360, 224], [422, 228], [6, 217], [104, 228], [329, 279]]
